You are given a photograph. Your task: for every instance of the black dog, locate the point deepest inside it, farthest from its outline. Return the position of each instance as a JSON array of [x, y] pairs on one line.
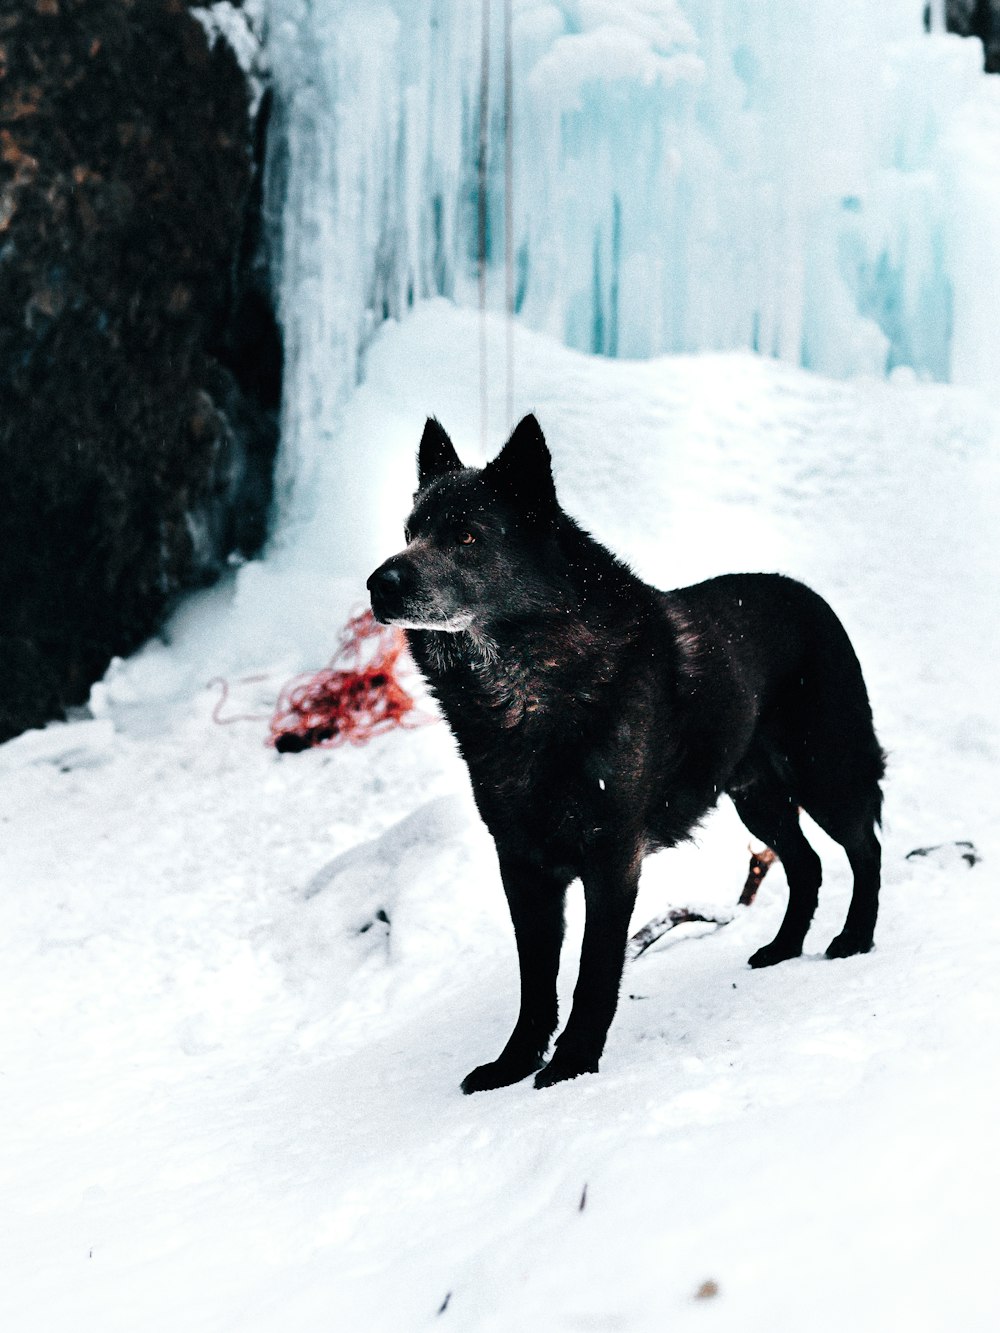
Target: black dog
[[600, 719]]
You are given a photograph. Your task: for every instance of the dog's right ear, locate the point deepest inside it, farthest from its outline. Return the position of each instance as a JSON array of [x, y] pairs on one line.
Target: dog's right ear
[[436, 454], [522, 471]]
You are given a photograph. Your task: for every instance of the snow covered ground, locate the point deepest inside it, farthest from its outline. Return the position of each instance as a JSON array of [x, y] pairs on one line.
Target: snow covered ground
[[226, 1105]]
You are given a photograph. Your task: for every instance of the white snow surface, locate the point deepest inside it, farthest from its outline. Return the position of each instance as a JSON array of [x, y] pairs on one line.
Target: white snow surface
[[229, 1089]]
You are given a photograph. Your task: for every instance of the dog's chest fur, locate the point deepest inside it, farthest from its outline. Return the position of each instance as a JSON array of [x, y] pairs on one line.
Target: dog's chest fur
[[540, 722], [512, 693]]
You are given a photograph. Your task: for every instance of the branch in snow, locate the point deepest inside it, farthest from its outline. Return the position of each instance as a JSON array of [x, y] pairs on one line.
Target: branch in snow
[[943, 852], [760, 863], [677, 916]]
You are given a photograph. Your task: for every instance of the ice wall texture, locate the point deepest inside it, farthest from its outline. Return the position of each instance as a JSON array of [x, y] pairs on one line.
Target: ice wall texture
[[812, 179]]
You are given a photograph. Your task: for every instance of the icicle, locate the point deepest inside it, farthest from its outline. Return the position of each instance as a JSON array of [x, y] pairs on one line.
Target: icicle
[[813, 185], [508, 202], [482, 220]]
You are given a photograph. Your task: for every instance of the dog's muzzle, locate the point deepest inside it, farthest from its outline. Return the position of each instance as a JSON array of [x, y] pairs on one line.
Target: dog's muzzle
[[388, 587]]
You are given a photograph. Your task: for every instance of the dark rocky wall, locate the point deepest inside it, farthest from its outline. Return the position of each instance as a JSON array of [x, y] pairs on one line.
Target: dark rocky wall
[[140, 368], [977, 18]]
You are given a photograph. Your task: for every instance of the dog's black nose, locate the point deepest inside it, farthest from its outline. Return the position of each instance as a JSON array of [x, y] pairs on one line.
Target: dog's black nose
[[386, 580], [387, 590]]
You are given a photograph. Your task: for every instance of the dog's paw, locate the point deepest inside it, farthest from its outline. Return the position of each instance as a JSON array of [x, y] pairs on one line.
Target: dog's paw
[[500, 1074], [848, 943], [775, 952], [558, 1071]]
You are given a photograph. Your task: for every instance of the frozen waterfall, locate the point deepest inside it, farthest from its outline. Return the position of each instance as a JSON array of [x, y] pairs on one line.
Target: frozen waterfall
[[816, 180]]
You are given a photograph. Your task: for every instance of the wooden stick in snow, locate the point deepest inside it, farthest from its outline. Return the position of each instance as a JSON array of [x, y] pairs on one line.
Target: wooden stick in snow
[[760, 864], [677, 916]]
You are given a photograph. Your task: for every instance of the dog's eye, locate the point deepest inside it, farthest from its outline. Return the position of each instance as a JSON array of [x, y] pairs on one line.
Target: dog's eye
[[407, 536], [466, 538]]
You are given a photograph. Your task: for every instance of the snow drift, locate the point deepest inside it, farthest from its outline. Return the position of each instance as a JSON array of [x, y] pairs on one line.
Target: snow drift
[[240, 988]]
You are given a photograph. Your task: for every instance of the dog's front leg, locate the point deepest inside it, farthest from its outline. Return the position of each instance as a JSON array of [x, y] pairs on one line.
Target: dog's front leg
[[535, 897], [610, 884]]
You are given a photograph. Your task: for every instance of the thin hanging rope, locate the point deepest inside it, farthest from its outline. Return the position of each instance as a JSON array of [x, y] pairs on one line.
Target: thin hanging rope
[[484, 127], [508, 199]]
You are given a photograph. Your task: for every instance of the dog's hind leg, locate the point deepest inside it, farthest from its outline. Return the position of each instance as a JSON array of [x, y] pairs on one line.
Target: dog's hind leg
[[536, 898], [610, 884], [770, 813], [838, 765], [858, 934], [846, 802]]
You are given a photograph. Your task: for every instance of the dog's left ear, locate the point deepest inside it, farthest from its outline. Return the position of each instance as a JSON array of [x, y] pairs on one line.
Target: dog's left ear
[[522, 470]]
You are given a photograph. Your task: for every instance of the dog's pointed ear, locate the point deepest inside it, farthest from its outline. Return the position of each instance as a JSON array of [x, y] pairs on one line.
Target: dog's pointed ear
[[436, 454], [522, 470]]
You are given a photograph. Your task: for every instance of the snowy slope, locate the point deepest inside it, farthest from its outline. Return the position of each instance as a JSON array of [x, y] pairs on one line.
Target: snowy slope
[[230, 1090]]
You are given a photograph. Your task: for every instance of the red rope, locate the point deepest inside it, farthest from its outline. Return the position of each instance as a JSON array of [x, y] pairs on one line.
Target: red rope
[[355, 697], [223, 699]]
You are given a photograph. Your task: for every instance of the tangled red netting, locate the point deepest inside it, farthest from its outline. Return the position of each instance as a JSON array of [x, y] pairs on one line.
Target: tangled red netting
[[358, 694]]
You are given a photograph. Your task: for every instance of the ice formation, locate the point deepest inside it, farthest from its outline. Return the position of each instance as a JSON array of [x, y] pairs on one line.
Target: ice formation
[[814, 180]]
